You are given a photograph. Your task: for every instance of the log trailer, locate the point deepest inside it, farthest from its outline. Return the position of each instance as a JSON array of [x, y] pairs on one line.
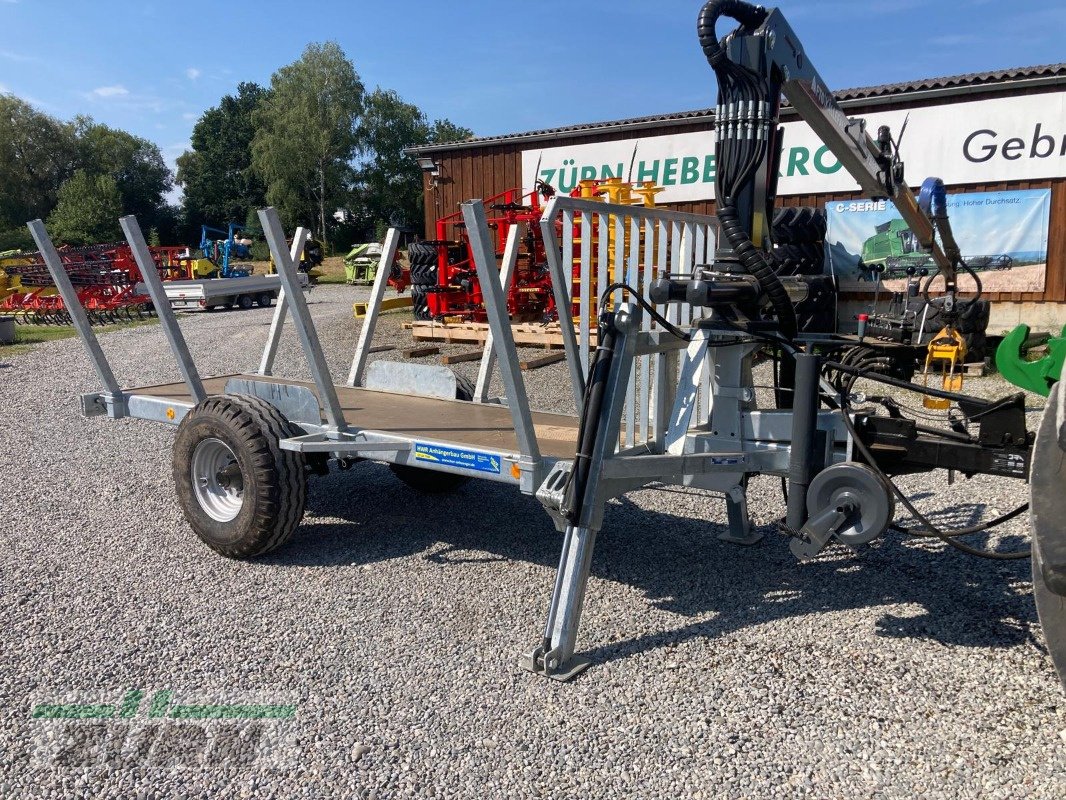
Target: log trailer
[[665, 397]]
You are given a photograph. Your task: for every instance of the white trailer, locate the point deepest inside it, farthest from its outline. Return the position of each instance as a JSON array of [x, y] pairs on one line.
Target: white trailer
[[210, 293]]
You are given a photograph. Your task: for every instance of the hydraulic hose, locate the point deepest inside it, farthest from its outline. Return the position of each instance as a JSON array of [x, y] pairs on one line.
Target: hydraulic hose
[[739, 157], [755, 264], [745, 13]]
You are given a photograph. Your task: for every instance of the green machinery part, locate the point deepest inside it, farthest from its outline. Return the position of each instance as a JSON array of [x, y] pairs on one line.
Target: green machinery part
[[1036, 376]]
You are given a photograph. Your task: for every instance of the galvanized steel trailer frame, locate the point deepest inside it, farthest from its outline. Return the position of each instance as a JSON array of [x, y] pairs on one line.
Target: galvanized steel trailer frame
[[676, 412]]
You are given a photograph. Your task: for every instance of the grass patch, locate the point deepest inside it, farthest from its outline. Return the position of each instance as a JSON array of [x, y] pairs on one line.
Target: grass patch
[[332, 270], [28, 335]]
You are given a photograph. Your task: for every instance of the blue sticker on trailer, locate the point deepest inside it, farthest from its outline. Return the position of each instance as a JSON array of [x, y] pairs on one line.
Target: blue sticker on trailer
[[454, 457]]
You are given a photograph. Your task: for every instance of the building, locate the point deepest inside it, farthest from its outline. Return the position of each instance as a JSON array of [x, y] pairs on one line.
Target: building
[[984, 132]]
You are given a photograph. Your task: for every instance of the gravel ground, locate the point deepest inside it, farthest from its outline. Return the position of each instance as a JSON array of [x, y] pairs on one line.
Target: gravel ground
[[392, 623]]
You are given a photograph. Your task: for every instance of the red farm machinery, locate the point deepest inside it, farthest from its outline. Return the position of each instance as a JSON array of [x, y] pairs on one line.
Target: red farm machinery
[[444, 281], [105, 277]]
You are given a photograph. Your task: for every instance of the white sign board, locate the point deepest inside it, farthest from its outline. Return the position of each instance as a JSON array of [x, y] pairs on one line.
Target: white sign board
[[1007, 138]]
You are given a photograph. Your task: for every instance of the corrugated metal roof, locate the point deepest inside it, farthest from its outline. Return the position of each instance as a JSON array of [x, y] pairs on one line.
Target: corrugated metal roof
[[847, 97], [951, 81]]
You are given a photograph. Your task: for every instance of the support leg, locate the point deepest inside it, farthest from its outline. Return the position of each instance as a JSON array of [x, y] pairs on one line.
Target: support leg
[[736, 506], [555, 658]]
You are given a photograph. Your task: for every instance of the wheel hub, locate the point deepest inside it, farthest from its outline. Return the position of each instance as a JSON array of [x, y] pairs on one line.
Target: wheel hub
[[217, 480]]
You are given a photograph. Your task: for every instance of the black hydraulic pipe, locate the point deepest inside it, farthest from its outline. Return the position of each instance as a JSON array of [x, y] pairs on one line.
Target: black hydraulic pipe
[[804, 424]]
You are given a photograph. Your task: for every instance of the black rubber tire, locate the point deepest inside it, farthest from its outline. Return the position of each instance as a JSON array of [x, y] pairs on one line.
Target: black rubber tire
[[424, 274], [798, 234], [245, 301], [275, 480], [264, 299], [429, 481], [419, 303], [421, 253]]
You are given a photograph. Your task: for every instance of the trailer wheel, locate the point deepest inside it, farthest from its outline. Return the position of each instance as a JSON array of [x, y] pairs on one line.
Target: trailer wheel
[[245, 301], [240, 492], [264, 299], [430, 481]]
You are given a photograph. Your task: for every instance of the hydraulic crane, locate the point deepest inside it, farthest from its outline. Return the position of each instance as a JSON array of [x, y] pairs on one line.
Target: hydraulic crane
[[842, 453]]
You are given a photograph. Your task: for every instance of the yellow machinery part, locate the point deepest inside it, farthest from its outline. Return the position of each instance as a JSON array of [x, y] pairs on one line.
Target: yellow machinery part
[[947, 350]]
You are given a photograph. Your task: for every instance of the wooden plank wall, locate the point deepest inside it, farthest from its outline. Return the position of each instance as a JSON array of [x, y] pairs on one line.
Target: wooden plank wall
[[484, 171]]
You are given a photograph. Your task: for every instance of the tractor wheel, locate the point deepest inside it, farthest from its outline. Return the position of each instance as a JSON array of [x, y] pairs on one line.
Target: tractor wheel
[[798, 235], [264, 299], [240, 492], [419, 302], [421, 253], [428, 481], [424, 274], [245, 301]]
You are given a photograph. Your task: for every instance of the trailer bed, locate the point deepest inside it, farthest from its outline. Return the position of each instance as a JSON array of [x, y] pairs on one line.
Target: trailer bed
[[480, 425]]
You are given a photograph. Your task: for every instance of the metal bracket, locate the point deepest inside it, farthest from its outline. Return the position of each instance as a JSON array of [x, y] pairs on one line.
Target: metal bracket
[[297, 403], [816, 533], [321, 443], [402, 377], [546, 663]]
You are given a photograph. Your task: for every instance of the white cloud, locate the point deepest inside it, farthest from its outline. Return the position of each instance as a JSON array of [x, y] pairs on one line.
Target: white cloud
[[118, 90], [12, 56], [192, 73], [190, 116], [3, 89]]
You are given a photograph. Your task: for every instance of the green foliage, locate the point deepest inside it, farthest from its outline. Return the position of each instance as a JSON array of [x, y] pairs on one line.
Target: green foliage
[[219, 183], [136, 164], [37, 154], [306, 134], [88, 210], [389, 182], [40, 154]]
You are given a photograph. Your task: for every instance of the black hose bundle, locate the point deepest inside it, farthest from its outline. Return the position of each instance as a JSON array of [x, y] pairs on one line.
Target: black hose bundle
[[742, 128]]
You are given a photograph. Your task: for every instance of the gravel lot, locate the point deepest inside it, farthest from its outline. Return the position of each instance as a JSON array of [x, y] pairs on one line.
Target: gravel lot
[[392, 622]]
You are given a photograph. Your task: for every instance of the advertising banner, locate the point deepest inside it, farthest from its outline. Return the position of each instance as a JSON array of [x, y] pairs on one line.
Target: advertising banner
[[1002, 236], [1007, 138]]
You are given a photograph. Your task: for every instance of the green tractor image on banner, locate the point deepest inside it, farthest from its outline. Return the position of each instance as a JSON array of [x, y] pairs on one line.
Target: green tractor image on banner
[[895, 247]]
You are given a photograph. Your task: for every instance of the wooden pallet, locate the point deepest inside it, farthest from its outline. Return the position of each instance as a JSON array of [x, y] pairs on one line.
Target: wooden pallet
[[526, 334]]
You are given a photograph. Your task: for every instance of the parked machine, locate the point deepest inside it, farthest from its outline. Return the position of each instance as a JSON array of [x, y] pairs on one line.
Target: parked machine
[[105, 275], [665, 396], [220, 253], [445, 285]]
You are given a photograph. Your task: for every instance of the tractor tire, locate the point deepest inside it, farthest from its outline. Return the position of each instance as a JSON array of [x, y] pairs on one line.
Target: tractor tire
[[419, 302], [798, 235], [245, 302], [428, 481], [424, 274], [421, 253], [973, 323], [239, 491]]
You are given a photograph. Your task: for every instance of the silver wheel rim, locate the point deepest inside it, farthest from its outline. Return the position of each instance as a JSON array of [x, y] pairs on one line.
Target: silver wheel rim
[[216, 480]]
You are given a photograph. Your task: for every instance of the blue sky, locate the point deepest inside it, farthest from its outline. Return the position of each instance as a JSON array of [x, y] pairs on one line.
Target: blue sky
[[497, 67]]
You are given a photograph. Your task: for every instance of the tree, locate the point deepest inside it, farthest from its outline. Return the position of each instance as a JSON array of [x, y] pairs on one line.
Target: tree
[[219, 182], [142, 177], [37, 154], [88, 210], [306, 133], [389, 182]]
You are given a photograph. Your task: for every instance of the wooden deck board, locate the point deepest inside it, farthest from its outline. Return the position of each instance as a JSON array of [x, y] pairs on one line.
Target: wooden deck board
[[474, 424]]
